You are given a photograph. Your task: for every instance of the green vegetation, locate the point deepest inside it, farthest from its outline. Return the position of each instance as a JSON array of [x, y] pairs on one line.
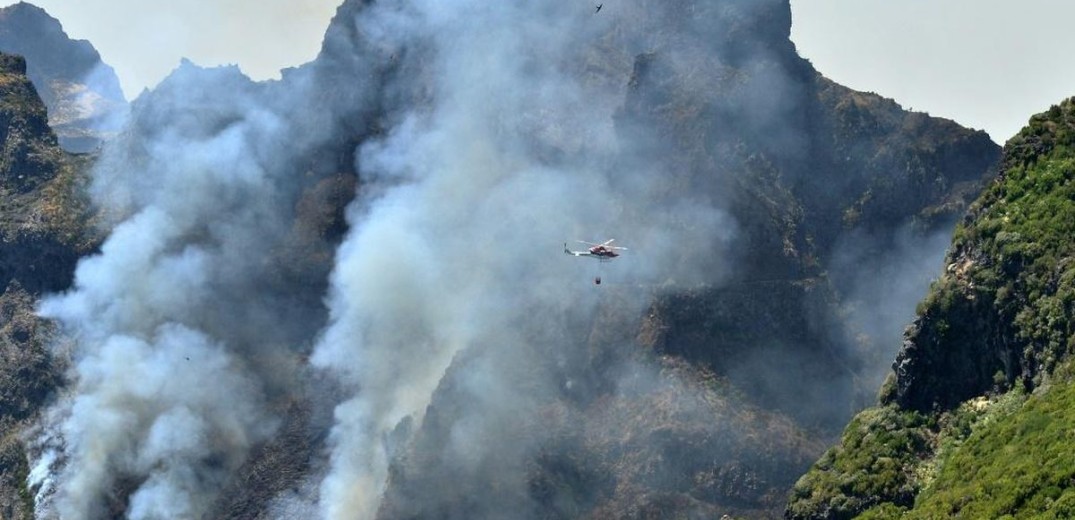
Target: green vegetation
[[874, 462], [1016, 249], [1005, 458], [882, 512], [1026, 227], [1018, 464], [889, 458], [998, 324]]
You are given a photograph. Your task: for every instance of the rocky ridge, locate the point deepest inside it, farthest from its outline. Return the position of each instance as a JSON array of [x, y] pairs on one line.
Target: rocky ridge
[[668, 405], [83, 96], [43, 232], [805, 165], [968, 423]]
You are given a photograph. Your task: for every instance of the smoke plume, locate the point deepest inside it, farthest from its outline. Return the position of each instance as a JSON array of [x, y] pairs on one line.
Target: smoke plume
[[183, 333], [465, 202], [881, 299], [495, 151], [483, 136]]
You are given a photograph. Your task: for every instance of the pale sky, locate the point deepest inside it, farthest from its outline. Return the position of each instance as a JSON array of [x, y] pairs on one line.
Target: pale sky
[[145, 39], [987, 64]]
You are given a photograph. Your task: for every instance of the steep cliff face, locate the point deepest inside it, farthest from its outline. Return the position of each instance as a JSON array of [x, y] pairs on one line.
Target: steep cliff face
[[809, 169], [734, 117], [986, 365], [26, 132], [83, 96], [1007, 279], [43, 223], [29, 375], [43, 231], [698, 388]]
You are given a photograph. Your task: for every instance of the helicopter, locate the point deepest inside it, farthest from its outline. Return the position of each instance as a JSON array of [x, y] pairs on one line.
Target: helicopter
[[603, 252]]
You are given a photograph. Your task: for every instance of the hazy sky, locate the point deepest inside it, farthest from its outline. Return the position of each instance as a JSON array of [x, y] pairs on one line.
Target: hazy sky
[[144, 40], [988, 64]]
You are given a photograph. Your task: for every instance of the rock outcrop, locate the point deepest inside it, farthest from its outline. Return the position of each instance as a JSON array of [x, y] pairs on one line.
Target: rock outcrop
[[44, 226], [968, 419], [43, 231], [83, 96], [681, 398], [804, 165]]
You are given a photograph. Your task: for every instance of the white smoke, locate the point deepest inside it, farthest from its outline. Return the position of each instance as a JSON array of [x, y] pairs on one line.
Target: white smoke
[[881, 300], [155, 409], [497, 145], [456, 234], [172, 358], [484, 135]]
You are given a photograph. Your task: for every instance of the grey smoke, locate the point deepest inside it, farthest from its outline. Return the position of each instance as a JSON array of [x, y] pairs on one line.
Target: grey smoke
[[456, 233], [179, 337], [102, 102], [882, 280], [493, 142]]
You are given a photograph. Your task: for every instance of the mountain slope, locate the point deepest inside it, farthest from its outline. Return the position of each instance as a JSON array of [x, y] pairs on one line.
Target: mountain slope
[[983, 382], [804, 166], [712, 365], [43, 223], [82, 93], [43, 231]]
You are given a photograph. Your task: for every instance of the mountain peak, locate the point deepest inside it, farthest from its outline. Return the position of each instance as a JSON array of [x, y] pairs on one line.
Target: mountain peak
[[83, 96], [12, 64], [991, 349], [25, 9]]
